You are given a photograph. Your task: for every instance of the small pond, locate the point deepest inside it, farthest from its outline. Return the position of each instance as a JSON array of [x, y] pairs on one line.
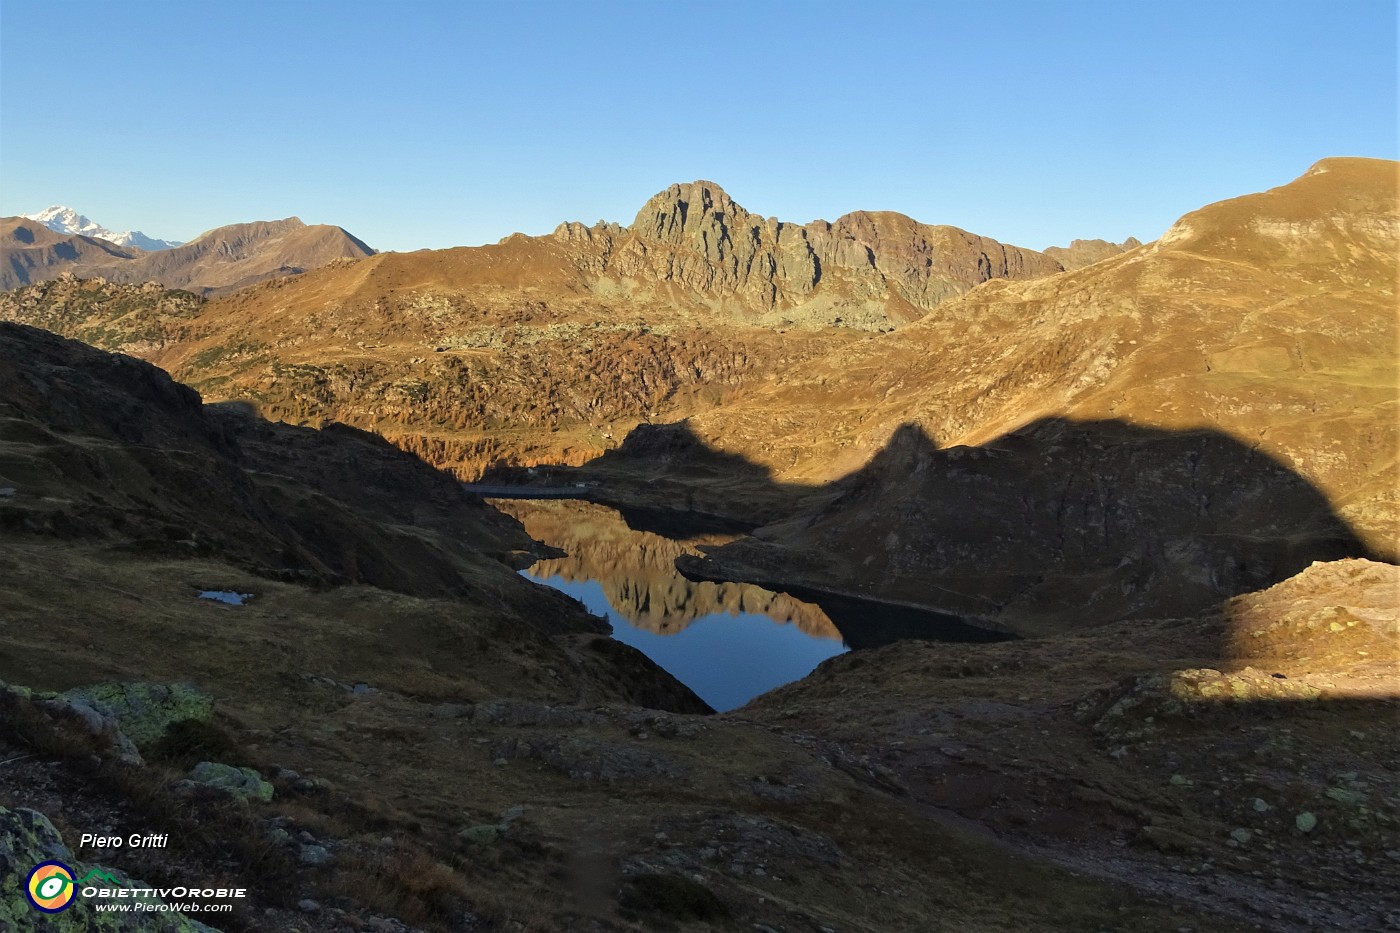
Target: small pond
[[228, 597]]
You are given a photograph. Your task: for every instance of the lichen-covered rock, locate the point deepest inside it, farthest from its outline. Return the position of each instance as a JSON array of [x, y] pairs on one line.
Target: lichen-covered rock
[[23, 693], [95, 721], [28, 838], [240, 782], [144, 711]]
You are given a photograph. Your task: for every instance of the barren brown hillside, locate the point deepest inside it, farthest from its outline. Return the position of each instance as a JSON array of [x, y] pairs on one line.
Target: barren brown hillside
[[218, 260], [1268, 321], [536, 349], [437, 744], [1081, 253]]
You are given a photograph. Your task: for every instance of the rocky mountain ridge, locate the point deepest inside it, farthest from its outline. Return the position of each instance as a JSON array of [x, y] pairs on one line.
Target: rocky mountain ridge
[[1081, 253], [869, 269], [219, 260], [1266, 322]]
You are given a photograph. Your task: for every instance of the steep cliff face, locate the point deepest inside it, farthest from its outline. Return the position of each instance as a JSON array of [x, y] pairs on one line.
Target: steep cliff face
[[877, 267]]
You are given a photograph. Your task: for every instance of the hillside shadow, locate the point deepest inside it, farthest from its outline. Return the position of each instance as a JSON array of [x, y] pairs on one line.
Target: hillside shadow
[[667, 481], [1056, 526]]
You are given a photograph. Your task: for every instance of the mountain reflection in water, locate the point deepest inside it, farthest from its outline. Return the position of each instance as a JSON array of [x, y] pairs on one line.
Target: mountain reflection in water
[[728, 642]]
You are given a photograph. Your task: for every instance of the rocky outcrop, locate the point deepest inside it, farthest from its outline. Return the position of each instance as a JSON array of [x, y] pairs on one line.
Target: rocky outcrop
[[239, 783], [143, 712], [1339, 620], [1081, 253], [696, 237]]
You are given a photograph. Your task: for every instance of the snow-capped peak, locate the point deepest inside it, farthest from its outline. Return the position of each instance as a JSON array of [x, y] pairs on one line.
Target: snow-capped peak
[[65, 220]]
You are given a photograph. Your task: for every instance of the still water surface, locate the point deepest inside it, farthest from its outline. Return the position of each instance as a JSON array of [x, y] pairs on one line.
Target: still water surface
[[727, 657], [729, 642]]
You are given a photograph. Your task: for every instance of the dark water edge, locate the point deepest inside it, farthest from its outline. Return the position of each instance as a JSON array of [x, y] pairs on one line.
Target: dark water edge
[[869, 623], [676, 524]]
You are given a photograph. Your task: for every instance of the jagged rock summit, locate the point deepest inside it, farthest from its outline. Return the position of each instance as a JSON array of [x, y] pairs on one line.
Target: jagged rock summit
[[869, 267], [1081, 253]]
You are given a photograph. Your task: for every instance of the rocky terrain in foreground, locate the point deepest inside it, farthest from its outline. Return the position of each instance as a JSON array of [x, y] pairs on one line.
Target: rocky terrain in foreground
[[302, 651], [395, 731]]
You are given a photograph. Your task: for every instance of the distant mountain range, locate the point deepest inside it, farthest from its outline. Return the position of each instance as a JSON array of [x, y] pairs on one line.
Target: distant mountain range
[[220, 260], [61, 219], [691, 244]]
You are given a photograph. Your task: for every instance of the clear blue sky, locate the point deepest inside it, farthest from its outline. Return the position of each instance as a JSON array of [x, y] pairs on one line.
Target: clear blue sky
[[418, 124]]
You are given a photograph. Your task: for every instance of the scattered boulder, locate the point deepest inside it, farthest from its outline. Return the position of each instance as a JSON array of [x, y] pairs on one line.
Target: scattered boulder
[[244, 783], [144, 711], [483, 835], [314, 855], [1351, 798]]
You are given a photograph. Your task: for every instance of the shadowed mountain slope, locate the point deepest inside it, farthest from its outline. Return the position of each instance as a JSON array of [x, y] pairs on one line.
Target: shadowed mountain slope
[[102, 453], [1269, 320], [1057, 526]]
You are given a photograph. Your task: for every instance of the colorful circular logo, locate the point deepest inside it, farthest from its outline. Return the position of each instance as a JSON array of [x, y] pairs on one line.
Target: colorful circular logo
[[50, 887]]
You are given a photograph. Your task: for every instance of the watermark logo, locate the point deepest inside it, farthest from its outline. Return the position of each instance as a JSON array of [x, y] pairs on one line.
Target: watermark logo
[[51, 887]]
